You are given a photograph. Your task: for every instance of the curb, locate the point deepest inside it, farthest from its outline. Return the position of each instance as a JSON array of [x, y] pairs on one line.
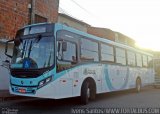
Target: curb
[[5, 96]]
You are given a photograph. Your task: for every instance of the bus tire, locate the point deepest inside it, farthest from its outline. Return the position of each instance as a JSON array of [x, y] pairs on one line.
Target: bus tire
[[85, 93], [138, 85], [93, 91], [88, 91]]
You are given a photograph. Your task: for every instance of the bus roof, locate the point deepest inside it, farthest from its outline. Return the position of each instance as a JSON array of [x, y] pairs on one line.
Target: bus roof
[[100, 39]]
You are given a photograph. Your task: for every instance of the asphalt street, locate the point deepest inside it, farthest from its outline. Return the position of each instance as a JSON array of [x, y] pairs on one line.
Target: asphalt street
[[149, 97]]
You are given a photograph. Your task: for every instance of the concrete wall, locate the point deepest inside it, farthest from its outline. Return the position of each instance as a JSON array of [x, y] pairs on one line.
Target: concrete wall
[[121, 38], [111, 35], [4, 73], [102, 32]]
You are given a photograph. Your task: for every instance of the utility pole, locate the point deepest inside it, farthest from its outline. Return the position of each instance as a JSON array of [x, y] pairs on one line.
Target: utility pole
[[30, 12]]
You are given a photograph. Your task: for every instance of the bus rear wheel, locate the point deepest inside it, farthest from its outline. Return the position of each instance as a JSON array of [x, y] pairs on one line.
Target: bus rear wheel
[[88, 92], [138, 85]]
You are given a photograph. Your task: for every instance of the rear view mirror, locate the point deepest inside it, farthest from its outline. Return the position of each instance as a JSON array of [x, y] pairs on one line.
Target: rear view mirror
[[64, 46], [6, 49]]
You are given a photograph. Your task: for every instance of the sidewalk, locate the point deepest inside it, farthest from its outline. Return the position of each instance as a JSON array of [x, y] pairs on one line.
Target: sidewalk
[[5, 93], [5, 96]]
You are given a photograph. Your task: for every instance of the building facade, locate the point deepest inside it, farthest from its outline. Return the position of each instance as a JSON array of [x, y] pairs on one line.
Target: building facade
[[121, 38], [16, 13], [111, 35], [101, 32], [44, 11], [72, 22]]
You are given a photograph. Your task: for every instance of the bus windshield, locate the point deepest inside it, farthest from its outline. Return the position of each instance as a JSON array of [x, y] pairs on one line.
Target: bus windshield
[[34, 53]]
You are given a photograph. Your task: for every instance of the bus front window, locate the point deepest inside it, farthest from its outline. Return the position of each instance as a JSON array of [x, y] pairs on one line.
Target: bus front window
[[34, 53]]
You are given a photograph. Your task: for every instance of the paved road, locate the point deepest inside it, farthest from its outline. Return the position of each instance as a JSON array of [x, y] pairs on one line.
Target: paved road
[[149, 97]]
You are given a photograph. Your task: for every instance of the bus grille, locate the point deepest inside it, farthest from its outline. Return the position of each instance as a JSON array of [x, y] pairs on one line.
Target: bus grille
[[25, 74]]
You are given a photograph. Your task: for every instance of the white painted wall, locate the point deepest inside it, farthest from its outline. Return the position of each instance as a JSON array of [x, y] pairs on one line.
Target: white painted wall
[[4, 73]]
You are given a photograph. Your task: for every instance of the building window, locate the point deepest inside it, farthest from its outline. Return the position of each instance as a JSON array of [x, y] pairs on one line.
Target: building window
[[40, 19]]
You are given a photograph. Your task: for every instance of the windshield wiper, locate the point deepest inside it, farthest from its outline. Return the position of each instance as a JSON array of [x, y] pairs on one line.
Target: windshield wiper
[[30, 48], [38, 38], [24, 46], [28, 45]]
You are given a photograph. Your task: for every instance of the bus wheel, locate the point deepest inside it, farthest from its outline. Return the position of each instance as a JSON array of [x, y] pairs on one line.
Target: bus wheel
[[138, 85], [88, 91], [85, 93]]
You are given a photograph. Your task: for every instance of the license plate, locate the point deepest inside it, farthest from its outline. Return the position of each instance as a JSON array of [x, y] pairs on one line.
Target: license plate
[[22, 90]]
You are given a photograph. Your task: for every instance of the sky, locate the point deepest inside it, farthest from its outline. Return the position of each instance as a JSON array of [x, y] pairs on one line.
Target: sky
[[138, 19]]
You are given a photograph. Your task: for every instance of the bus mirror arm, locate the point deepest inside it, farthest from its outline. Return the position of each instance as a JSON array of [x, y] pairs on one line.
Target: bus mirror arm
[[17, 41]]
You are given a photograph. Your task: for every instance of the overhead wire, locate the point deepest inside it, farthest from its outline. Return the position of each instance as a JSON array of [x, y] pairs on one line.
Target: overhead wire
[[81, 7], [88, 12]]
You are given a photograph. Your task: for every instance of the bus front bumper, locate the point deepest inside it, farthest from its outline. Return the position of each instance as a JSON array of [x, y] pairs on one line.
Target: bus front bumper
[[47, 91]]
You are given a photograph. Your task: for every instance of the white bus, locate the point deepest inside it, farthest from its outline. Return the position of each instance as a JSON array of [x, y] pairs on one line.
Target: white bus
[[55, 61]]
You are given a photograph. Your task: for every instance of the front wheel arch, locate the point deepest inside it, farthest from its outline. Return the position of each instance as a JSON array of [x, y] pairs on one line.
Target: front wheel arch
[[88, 85]]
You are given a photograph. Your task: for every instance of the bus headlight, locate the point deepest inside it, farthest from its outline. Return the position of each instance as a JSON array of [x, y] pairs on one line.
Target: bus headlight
[[48, 79], [44, 82]]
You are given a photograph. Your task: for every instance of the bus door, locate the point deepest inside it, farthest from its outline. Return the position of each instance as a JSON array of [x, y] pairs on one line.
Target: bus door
[[64, 87], [66, 63]]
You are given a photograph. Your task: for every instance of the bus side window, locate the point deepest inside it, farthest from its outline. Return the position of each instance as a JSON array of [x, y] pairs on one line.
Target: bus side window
[[139, 60], [150, 62], [107, 53], [89, 51], [67, 57], [144, 61], [120, 56], [131, 58]]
